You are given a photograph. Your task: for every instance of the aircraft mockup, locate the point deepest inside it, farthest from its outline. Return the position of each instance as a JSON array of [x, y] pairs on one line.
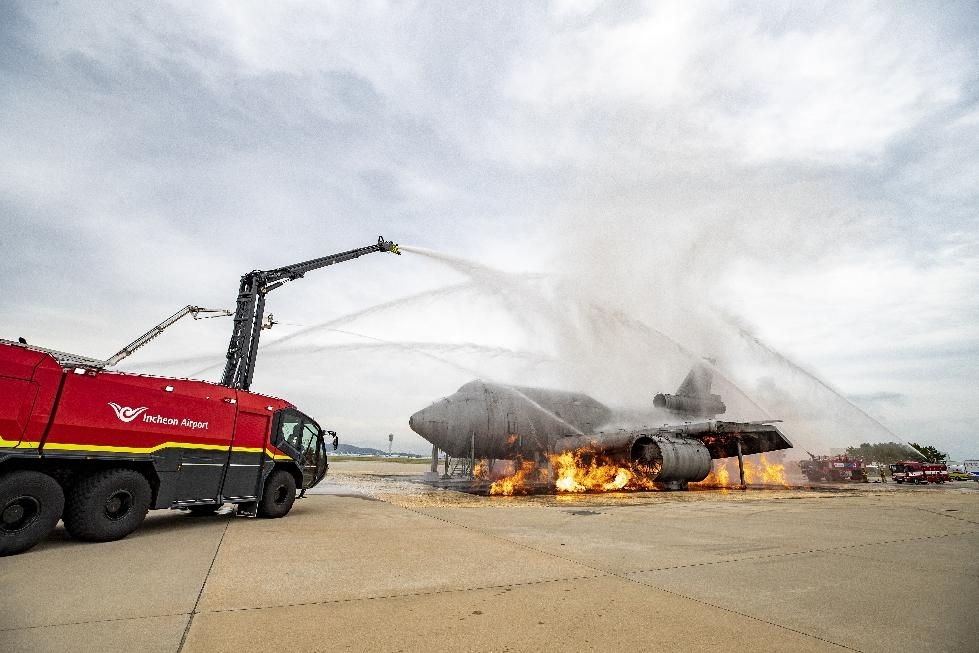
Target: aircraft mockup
[[495, 421]]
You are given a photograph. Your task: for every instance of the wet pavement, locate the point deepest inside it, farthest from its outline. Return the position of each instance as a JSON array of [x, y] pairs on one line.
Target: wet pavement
[[373, 560]]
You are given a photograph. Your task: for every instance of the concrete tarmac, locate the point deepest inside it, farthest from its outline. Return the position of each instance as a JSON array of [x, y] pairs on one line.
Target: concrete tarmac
[[376, 562]]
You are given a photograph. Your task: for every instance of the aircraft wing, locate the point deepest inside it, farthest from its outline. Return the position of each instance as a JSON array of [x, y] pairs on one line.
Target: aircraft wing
[[721, 438]]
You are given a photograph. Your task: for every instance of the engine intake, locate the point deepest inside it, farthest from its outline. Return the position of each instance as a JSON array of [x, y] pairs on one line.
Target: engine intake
[[674, 460]]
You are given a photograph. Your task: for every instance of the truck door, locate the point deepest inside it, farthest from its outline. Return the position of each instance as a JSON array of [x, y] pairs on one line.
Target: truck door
[[313, 458], [302, 438], [244, 470]]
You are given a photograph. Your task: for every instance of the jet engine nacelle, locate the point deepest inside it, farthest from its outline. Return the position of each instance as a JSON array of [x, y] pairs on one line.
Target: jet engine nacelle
[[707, 406], [671, 459]]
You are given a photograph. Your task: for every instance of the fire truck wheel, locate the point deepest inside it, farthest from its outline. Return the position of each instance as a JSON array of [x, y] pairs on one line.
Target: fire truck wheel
[[30, 506], [107, 505], [278, 495]]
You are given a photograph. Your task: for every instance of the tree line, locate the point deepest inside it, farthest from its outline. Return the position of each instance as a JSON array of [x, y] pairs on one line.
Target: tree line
[[889, 452]]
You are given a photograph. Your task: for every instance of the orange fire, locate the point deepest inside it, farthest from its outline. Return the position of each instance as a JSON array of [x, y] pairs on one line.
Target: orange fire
[[723, 477], [575, 472], [719, 476], [574, 475], [520, 482], [724, 473], [586, 470], [766, 473], [479, 471]]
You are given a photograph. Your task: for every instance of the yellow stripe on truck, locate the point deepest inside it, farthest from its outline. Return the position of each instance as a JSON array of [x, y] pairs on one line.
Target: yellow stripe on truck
[[60, 446], [18, 444], [96, 448]]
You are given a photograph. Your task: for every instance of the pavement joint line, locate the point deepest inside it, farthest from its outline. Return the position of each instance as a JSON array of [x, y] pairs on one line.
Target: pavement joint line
[[743, 614], [190, 620], [796, 553], [94, 621], [639, 571], [509, 541], [945, 514], [854, 556], [404, 595], [625, 577]]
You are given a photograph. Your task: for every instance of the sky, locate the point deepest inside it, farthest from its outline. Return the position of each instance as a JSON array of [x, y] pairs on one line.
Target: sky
[[593, 196]]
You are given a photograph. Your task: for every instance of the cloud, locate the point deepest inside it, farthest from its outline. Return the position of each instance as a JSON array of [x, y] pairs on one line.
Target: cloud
[[881, 397], [683, 172]]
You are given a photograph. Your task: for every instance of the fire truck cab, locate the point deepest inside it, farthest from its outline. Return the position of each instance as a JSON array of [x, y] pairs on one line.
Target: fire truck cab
[[918, 473], [97, 449]]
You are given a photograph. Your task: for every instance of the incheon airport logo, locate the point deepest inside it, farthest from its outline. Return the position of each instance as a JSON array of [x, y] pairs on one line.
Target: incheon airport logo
[[126, 414]]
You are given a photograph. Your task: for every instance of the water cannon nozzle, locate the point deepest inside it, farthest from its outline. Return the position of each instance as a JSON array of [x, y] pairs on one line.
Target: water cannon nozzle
[[388, 246]]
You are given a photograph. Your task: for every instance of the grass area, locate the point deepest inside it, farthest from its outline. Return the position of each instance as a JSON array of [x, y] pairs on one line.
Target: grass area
[[341, 458]]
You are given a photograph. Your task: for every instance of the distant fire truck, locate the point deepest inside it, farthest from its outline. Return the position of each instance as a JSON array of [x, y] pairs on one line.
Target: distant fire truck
[[910, 471], [834, 468]]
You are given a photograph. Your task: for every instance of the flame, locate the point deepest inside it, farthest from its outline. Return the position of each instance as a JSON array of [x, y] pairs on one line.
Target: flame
[[724, 473], [479, 471], [772, 473], [586, 470], [578, 471], [573, 475], [723, 477], [719, 476], [520, 482], [763, 472]]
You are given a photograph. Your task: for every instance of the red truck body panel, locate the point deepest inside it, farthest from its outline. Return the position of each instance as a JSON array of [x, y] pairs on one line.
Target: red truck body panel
[[129, 413], [28, 387], [204, 441]]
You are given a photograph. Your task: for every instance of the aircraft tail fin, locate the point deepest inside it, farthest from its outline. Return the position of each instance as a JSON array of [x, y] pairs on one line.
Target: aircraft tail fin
[[697, 382], [693, 398]]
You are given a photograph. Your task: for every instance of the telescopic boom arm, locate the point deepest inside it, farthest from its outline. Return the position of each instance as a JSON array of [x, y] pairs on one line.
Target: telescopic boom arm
[[158, 329], [243, 348]]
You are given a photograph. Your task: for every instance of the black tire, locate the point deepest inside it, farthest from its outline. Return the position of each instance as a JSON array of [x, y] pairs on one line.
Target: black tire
[[278, 495], [204, 511], [30, 507], [107, 505]]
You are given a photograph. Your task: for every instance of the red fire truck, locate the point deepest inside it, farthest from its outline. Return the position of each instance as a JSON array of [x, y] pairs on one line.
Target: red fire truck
[[834, 468], [910, 471], [97, 448]]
